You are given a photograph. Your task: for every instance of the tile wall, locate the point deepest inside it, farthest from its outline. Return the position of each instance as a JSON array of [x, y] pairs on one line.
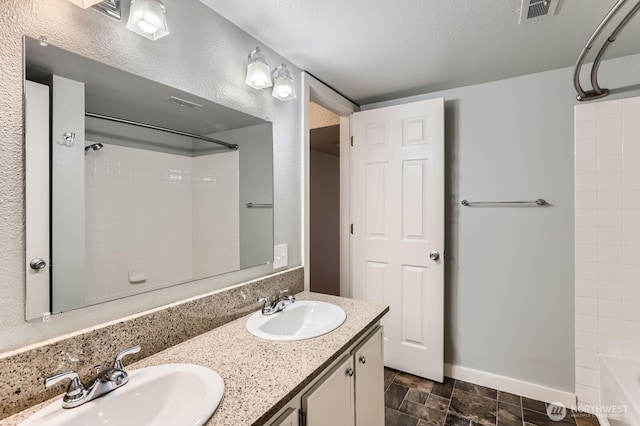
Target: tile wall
[[144, 212], [607, 237], [216, 214]]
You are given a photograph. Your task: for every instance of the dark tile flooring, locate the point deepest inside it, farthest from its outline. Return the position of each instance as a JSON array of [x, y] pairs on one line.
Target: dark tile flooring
[[414, 401]]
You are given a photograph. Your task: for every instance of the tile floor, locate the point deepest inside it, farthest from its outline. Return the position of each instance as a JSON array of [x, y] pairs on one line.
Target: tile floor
[[414, 401]]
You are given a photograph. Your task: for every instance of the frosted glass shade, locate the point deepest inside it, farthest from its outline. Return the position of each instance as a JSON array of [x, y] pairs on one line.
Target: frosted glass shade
[[85, 3], [258, 73], [148, 18], [283, 87]]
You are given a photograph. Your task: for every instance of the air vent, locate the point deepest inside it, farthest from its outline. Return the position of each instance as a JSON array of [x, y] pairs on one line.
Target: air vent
[[183, 102], [535, 10]]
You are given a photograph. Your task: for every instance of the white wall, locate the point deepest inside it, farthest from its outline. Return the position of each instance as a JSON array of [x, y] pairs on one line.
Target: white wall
[[509, 271], [607, 236], [204, 55]]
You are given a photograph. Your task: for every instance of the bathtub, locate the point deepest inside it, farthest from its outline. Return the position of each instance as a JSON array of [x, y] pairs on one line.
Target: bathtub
[[620, 391]]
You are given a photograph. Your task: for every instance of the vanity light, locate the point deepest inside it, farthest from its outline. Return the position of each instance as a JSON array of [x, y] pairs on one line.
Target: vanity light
[[148, 18], [283, 84], [85, 3], [258, 75]]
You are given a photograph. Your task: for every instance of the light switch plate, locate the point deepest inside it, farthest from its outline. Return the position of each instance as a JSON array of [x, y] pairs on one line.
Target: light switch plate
[[280, 256]]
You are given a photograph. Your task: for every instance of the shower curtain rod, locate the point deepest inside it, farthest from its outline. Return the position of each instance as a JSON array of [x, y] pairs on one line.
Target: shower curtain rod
[[597, 91], [162, 129]]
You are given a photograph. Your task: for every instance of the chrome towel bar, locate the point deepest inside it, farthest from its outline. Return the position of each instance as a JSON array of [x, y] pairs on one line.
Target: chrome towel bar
[[538, 202]]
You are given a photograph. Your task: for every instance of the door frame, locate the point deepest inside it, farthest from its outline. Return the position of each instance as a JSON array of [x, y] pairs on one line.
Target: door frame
[[313, 90]]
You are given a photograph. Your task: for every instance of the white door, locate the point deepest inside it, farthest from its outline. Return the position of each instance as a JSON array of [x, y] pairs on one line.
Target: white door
[[37, 199], [397, 205]]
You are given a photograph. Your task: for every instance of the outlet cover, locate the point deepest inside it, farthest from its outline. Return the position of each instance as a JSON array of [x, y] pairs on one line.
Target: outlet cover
[[280, 256]]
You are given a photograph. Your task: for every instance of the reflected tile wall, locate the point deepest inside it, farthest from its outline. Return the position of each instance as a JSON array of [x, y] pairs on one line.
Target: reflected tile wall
[[168, 217]]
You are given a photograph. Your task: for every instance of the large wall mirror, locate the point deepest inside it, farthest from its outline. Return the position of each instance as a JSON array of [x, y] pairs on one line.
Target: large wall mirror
[[134, 186]]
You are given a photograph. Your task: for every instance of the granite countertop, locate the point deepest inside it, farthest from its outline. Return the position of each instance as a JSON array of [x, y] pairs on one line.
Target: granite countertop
[[260, 376]]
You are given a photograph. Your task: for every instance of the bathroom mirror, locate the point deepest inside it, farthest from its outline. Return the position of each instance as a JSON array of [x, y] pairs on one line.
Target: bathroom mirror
[[133, 185]]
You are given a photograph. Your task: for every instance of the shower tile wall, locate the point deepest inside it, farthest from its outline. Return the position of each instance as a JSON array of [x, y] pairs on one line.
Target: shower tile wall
[[140, 218], [607, 237], [216, 214]]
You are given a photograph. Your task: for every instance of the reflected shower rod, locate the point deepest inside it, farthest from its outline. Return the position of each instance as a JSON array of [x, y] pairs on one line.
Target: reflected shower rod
[[162, 129]]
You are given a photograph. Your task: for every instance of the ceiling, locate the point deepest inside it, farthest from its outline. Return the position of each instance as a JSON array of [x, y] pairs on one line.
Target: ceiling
[[373, 50]]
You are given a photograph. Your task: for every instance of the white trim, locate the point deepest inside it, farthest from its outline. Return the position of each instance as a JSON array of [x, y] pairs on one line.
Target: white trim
[[508, 384], [314, 90]]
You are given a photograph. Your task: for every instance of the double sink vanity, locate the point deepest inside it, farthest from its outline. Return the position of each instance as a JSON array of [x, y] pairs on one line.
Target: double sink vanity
[[194, 191], [317, 361]]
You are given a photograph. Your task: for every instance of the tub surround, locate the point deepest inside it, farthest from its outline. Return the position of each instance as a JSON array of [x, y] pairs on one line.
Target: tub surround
[[262, 376], [24, 371]]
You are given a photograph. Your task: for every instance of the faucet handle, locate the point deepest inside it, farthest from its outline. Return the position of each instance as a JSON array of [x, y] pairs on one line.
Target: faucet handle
[[285, 296], [75, 389], [130, 351], [266, 300]]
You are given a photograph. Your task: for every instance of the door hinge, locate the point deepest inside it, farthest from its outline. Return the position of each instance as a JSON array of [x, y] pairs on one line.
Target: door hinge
[[351, 140], [302, 418], [351, 227]]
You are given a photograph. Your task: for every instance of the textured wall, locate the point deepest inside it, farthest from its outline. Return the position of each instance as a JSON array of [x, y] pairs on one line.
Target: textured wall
[[509, 271], [204, 55]]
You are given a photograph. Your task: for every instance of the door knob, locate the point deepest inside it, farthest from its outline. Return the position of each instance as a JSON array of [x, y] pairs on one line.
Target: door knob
[[37, 264], [434, 255]]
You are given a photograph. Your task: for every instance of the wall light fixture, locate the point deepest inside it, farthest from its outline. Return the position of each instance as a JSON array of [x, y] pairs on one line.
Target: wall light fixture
[[148, 18], [258, 74], [283, 84], [85, 3]]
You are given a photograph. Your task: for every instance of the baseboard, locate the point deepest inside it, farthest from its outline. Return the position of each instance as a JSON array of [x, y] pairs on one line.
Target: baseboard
[[508, 384], [603, 420]]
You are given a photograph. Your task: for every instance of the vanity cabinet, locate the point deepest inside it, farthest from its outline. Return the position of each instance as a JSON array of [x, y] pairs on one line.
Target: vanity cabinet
[[289, 418], [369, 383], [350, 393]]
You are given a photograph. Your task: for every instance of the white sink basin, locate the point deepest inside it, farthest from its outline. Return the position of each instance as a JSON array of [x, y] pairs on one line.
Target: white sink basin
[[303, 319], [169, 394]]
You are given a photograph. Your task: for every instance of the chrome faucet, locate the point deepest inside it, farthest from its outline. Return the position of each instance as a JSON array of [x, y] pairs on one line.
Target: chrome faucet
[[105, 382], [278, 304]]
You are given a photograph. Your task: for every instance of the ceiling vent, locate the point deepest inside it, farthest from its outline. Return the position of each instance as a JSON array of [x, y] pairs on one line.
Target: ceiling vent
[[183, 102], [535, 10]]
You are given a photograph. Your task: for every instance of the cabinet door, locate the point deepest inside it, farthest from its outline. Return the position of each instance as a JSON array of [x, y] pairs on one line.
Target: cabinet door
[[369, 368], [288, 418], [330, 402]]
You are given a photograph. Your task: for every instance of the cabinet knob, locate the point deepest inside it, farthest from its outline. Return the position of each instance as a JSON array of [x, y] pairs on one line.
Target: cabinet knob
[[350, 372], [363, 359]]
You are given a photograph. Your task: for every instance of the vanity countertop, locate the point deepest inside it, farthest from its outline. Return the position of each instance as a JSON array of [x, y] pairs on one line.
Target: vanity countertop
[[260, 376]]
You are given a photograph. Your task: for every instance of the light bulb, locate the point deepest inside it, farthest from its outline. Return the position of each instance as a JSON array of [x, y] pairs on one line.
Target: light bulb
[[284, 92], [148, 18], [147, 27], [259, 81]]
